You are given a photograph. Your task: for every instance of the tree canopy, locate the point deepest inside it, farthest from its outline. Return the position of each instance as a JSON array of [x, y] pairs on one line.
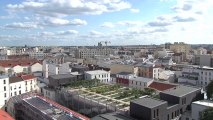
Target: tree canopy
[[209, 90], [207, 114]]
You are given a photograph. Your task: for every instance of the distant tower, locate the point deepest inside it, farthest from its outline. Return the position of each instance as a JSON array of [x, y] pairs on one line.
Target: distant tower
[[99, 44]]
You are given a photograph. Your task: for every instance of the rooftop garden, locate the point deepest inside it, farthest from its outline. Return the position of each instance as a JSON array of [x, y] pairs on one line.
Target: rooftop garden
[[115, 95]]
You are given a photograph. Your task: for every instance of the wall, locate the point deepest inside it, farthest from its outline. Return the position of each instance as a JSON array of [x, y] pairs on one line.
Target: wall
[[36, 67]]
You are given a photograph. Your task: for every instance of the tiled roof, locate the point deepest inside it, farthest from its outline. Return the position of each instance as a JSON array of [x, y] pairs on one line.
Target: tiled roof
[[5, 116], [27, 77], [161, 86], [21, 62]]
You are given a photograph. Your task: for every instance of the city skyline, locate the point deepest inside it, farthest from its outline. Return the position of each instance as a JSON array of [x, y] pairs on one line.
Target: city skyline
[[122, 22]]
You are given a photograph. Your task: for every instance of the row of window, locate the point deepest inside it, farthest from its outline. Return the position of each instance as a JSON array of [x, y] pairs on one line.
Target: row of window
[[11, 94]]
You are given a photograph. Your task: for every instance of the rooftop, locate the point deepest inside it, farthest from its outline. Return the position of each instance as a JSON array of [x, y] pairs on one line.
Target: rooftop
[[97, 72], [143, 79], [5, 116], [181, 90], [161, 86], [61, 76], [27, 77], [22, 62], [204, 103], [52, 109], [111, 116], [149, 102]]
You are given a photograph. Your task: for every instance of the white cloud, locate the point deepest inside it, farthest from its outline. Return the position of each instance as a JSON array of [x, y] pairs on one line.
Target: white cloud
[[69, 7], [93, 32], [107, 25], [68, 32], [19, 25], [135, 10], [60, 22], [130, 23]]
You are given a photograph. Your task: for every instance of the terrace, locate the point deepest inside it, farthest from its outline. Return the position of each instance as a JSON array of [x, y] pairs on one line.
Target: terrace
[[106, 94]]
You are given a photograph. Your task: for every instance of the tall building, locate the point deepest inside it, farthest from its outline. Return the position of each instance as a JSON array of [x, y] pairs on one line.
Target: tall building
[[91, 53], [203, 60], [181, 47], [12, 86]]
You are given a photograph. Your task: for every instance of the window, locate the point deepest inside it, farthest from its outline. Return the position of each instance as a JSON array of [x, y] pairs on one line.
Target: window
[[168, 117], [5, 88], [4, 81], [157, 112], [5, 95], [19, 92], [5, 101], [11, 94], [25, 82], [15, 93], [154, 113]]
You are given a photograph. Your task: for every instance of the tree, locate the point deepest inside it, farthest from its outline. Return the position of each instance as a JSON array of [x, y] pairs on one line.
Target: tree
[[209, 90], [207, 114]]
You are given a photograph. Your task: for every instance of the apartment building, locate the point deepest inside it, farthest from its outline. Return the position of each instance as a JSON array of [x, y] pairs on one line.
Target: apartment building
[[15, 85], [145, 70], [103, 76], [181, 47], [51, 68], [203, 60], [196, 75], [91, 53], [171, 105]]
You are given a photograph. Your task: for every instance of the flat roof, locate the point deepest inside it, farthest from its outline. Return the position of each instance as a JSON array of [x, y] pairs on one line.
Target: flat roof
[[3, 76], [111, 116], [61, 76], [97, 72], [143, 79], [181, 90], [204, 103], [148, 102], [52, 109]]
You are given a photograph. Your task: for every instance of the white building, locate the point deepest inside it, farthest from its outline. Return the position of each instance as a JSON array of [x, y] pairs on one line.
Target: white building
[[19, 66], [36, 67], [103, 76], [200, 51], [140, 82], [12, 86], [4, 90], [196, 108], [165, 53], [50, 68]]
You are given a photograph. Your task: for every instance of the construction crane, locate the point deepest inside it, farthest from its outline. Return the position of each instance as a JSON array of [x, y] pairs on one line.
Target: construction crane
[[106, 43]]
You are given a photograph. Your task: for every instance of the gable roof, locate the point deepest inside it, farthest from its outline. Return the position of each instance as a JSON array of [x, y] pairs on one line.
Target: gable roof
[[27, 77], [5, 116], [161, 86], [22, 62]]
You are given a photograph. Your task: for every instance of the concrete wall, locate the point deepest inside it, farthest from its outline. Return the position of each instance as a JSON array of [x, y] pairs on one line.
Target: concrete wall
[[117, 68]]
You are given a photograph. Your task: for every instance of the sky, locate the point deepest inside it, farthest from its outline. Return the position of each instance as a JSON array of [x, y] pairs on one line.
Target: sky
[[122, 22]]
